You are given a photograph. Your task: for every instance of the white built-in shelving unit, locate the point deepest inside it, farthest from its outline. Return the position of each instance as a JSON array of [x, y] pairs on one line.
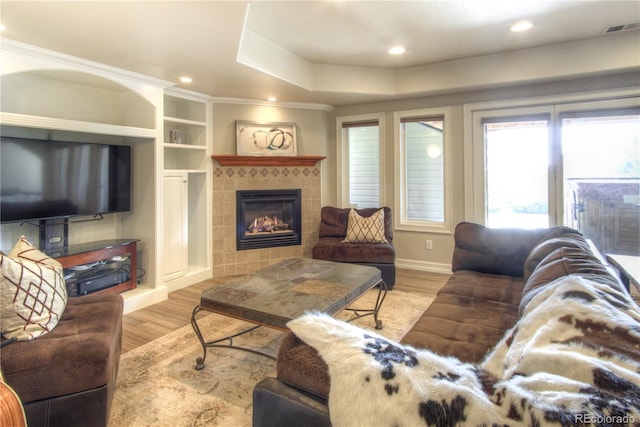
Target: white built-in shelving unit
[[52, 96], [187, 188]]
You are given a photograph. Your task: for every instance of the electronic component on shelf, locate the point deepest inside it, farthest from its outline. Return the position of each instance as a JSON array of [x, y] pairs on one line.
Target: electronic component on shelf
[[85, 267], [102, 279]]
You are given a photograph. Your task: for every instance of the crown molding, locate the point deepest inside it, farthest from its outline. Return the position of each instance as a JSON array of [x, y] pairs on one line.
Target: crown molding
[[261, 103], [74, 61]]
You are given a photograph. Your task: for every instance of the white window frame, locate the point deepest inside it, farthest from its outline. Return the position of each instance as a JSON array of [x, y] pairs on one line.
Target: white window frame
[[479, 184], [401, 222], [474, 150], [342, 155]]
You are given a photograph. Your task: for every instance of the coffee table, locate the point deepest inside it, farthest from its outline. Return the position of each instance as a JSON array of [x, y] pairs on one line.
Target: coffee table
[[275, 295]]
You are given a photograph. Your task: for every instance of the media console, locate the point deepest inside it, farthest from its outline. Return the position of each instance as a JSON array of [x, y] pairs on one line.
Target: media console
[[105, 266]]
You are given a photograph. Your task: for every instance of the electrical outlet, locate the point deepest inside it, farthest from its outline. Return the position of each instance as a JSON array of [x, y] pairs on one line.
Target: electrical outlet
[[429, 244]]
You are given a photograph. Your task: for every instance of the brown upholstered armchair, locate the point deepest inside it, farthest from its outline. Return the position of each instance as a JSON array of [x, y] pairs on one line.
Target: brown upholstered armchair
[[333, 230]]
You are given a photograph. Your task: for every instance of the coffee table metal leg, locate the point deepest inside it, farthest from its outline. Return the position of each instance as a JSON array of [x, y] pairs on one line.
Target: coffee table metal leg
[[196, 329], [216, 343], [382, 294]]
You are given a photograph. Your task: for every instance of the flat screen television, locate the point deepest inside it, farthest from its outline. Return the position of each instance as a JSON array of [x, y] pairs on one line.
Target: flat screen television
[[44, 180]]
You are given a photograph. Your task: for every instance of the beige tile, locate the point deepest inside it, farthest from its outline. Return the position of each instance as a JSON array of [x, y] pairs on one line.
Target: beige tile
[[228, 261]]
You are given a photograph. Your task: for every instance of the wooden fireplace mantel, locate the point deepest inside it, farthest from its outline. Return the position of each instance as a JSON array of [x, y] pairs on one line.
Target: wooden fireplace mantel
[[233, 160]]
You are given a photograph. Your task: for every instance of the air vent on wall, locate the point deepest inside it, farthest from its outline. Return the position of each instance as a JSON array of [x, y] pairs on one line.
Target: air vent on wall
[[622, 27]]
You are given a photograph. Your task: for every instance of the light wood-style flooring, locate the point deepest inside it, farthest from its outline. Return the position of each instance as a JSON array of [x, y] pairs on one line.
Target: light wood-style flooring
[[147, 324]]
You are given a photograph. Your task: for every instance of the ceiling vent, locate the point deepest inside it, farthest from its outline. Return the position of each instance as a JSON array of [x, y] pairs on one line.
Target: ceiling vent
[[622, 27]]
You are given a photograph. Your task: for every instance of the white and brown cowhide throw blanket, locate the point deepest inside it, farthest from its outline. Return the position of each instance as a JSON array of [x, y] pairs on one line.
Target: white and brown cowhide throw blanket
[[572, 359]]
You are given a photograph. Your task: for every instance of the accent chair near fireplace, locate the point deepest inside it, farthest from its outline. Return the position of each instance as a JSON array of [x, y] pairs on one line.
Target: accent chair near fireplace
[[333, 232]]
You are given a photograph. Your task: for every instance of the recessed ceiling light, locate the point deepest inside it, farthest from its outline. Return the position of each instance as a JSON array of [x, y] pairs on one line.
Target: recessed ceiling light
[[397, 50], [272, 99], [186, 79], [521, 26]]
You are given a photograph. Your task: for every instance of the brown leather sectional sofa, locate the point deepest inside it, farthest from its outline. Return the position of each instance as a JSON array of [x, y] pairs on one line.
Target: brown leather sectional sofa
[[67, 377], [495, 272]]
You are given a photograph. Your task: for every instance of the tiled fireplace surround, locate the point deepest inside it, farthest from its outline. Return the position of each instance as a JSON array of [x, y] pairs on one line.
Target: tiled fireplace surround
[[227, 180]]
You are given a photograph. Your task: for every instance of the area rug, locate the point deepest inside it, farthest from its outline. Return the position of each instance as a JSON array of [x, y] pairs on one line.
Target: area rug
[[158, 385]]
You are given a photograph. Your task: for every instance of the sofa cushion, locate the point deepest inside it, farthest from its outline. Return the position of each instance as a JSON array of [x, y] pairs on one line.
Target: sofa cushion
[[332, 249], [81, 353], [362, 229], [546, 246], [565, 261], [469, 316], [33, 294], [333, 221], [497, 250], [300, 365]]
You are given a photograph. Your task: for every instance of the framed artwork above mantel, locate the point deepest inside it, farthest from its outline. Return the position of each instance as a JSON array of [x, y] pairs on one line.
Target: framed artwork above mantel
[[265, 139]]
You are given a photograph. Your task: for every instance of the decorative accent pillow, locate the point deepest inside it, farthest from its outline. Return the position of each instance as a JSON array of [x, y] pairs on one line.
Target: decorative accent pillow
[[365, 229], [33, 294]]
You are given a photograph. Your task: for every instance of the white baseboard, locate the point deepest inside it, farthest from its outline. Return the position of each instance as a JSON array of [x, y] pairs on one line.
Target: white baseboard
[[191, 278], [431, 267], [143, 296]]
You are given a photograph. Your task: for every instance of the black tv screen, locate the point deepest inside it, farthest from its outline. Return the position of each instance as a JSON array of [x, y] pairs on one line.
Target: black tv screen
[[53, 179]]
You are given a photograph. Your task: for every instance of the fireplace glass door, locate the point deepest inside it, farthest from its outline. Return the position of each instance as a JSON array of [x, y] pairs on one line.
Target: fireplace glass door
[[267, 218]]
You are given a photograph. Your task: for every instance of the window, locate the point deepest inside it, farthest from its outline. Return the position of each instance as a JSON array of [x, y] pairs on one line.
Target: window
[[422, 153], [566, 163], [517, 168], [601, 170], [359, 154]]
